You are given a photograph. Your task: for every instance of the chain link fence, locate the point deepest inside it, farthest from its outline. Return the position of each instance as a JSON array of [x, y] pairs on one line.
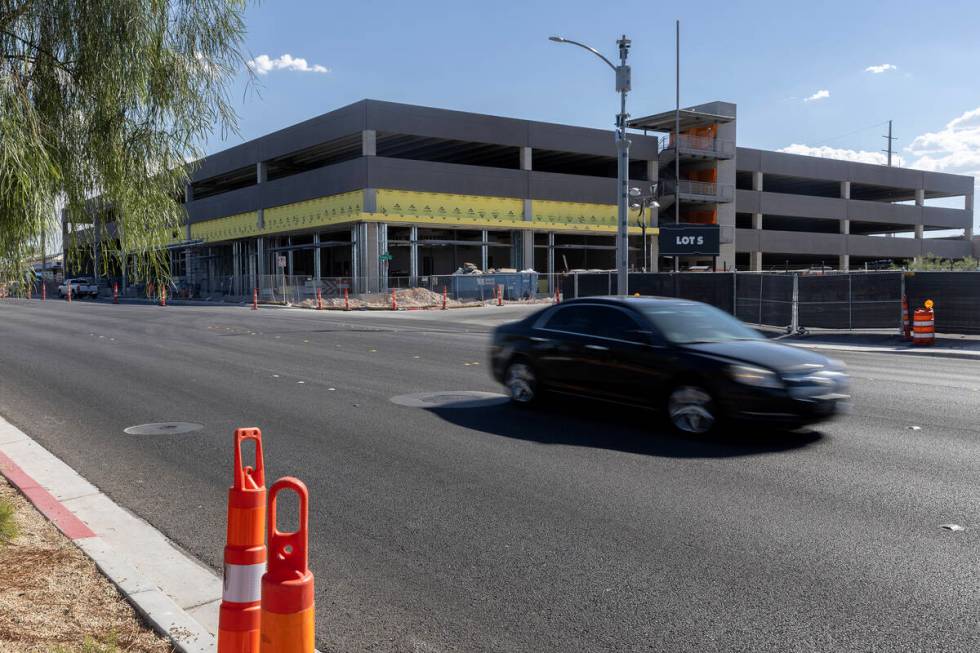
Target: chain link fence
[[849, 301]]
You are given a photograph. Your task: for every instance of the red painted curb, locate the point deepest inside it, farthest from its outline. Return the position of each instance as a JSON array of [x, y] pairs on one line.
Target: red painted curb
[[44, 501]]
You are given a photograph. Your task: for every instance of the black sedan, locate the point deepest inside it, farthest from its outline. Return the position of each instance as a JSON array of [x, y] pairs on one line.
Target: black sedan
[[696, 362]]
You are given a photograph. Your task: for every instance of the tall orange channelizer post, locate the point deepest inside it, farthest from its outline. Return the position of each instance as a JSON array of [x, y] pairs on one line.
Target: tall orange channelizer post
[[68, 295], [287, 587], [255, 299], [394, 300], [115, 292], [163, 295], [319, 300], [346, 300], [44, 291], [443, 298], [240, 613], [906, 320], [500, 295]]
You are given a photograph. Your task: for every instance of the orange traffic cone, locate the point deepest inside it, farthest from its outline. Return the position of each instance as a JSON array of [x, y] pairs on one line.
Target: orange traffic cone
[[287, 588], [241, 610]]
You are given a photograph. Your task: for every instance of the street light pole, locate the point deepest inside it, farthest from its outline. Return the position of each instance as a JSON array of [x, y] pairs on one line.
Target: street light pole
[[623, 87]]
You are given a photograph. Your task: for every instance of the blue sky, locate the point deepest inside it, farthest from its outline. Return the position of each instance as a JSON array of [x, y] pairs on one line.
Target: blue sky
[[765, 56]]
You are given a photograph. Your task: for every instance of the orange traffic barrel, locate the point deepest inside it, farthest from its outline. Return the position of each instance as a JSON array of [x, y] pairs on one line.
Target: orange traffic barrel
[[287, 586], [240, 613], [923, 327]]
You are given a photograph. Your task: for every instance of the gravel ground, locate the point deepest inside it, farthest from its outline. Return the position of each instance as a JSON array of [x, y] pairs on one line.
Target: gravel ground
[[53, 599]]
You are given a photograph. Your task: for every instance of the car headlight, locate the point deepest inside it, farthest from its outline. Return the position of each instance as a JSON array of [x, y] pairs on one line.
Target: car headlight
[[755, 376]]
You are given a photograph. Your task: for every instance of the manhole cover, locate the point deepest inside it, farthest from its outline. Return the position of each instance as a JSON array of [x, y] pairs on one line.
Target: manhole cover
[[448, 399], [164, 428]]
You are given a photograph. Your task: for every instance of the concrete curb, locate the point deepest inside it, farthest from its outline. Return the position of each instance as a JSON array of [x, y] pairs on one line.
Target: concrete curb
[[940, 353], [176, 595]]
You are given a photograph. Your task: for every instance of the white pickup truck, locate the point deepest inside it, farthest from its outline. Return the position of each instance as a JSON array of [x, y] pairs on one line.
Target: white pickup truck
[[80, 287]]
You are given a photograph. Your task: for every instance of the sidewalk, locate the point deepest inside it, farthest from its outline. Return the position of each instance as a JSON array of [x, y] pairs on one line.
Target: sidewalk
[[884, 341]]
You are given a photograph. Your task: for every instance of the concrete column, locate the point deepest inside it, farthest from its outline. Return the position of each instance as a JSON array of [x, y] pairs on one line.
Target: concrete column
[[757, 180], [413, 256], [653, 171], [527, 250], [920, 201], [845, 190], [383, 266], [316, 257], [260, 262], [261, 176], [368, 251], [551, 262], [484, 250], [526, 254], [755, 258], [289, 257], [526, 156], [369, 142], [236, 259], [844, 260], [968, 205]]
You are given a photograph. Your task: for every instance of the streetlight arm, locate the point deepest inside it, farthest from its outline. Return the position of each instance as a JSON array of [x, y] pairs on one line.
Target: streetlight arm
[[562, 39]]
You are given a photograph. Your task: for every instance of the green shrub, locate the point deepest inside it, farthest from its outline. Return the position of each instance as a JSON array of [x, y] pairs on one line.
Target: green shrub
[[8, 527]]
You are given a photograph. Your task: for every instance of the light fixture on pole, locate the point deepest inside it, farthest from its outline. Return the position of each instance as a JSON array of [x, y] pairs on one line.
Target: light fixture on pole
[[644, 202], [623, 87]]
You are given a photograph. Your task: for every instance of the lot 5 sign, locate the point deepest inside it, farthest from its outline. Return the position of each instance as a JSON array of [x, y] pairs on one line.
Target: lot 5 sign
[[684, 239]]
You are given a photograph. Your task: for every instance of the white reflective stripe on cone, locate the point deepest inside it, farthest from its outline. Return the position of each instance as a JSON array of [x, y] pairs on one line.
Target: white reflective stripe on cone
[[243, 583], [920, 324]]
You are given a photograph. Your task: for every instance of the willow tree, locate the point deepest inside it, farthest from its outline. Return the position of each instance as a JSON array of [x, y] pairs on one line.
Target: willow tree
[[102, 103]]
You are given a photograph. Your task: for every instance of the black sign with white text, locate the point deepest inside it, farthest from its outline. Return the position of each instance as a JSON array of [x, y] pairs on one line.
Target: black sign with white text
[[686, 239]]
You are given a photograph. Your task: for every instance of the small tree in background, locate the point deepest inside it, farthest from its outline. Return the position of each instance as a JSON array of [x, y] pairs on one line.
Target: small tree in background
[[108, 99], [931, 262]]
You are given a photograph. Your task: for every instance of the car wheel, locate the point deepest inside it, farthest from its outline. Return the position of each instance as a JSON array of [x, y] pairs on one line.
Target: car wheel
[[691, 409], [521, 383]]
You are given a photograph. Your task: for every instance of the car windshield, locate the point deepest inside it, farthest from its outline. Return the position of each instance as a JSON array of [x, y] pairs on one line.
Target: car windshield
[[687, 323]]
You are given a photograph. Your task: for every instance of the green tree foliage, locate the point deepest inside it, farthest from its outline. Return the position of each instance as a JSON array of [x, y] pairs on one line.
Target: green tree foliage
[[931, 262], [108, 99]]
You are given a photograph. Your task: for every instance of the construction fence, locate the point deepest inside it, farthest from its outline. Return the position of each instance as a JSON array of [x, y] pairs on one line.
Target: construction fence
[[790, 300], [794, 301]]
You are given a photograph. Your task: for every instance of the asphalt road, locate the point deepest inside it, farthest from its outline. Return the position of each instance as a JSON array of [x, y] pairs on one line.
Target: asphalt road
[[575, 528]]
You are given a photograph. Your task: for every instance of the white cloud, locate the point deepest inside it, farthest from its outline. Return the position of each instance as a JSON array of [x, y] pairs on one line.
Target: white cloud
[[880, 68], [263, 64], [826, 152], [954, 149], [822, 94]]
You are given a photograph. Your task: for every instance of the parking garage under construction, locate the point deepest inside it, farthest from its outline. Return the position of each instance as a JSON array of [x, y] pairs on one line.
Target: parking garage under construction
[[376, 195]]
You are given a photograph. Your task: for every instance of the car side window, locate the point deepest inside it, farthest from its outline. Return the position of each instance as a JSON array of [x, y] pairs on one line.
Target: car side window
[[571, 319], [613, 323], [602, 321]]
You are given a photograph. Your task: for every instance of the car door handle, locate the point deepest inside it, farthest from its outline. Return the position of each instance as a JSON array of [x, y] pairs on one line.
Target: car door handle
[[539, 339], [597, 347]]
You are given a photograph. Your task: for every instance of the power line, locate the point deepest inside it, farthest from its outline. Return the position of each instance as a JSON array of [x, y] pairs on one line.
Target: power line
[[856, 131]]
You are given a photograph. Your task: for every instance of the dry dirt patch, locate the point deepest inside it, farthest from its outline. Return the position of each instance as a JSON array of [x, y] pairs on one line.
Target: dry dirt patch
[[54, 600]]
